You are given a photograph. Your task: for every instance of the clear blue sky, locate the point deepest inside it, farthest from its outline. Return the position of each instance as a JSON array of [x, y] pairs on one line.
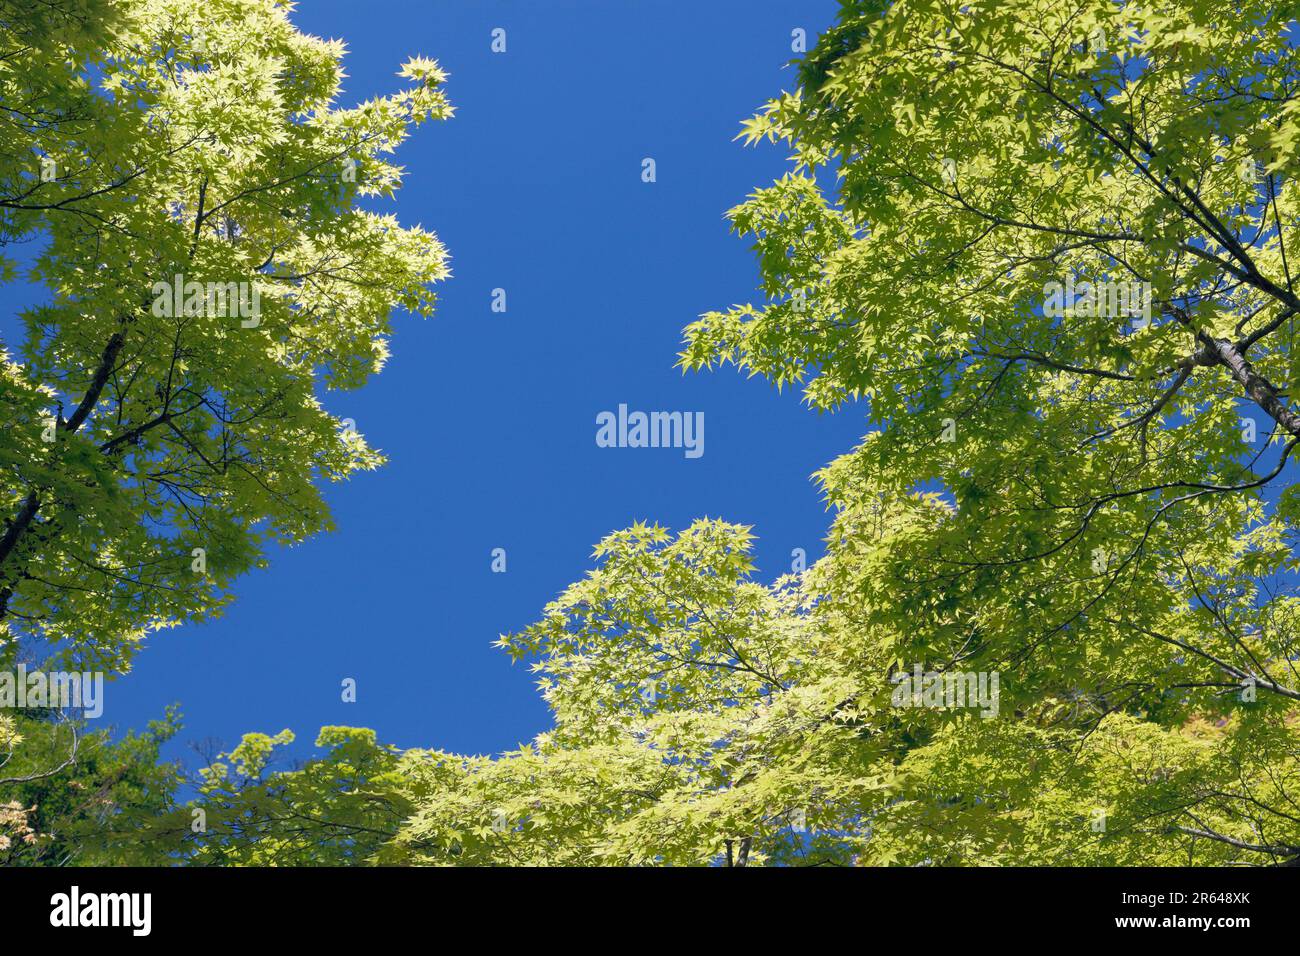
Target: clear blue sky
[[489, 419]]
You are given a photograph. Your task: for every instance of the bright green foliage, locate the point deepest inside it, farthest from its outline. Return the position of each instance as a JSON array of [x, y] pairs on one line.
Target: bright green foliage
[[678, 686], [702, 718], [1079, 504], [1069, 500], [198, 140], [334, 811], [771, 736]]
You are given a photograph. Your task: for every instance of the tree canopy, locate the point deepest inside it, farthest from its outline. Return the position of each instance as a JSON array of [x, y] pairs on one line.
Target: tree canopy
[[1091, 496], [210, 263], [210, 257], [1048, 248]]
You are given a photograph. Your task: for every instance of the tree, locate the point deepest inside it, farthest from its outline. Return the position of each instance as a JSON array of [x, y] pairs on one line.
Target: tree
[[1056, 265], [211, 260], [693, 708], [338, 809], [73, 796]]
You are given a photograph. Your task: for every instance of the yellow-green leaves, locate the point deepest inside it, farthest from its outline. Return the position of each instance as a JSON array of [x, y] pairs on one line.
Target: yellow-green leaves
[[1055, 233], [209, 270]]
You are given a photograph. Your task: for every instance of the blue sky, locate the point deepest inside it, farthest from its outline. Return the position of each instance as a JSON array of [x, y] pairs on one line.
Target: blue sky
[[489, 419]]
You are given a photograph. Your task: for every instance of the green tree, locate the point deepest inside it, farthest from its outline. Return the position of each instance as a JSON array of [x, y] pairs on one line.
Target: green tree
[[1094, 514], [338, 809], [212, 261], [73, 796]]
